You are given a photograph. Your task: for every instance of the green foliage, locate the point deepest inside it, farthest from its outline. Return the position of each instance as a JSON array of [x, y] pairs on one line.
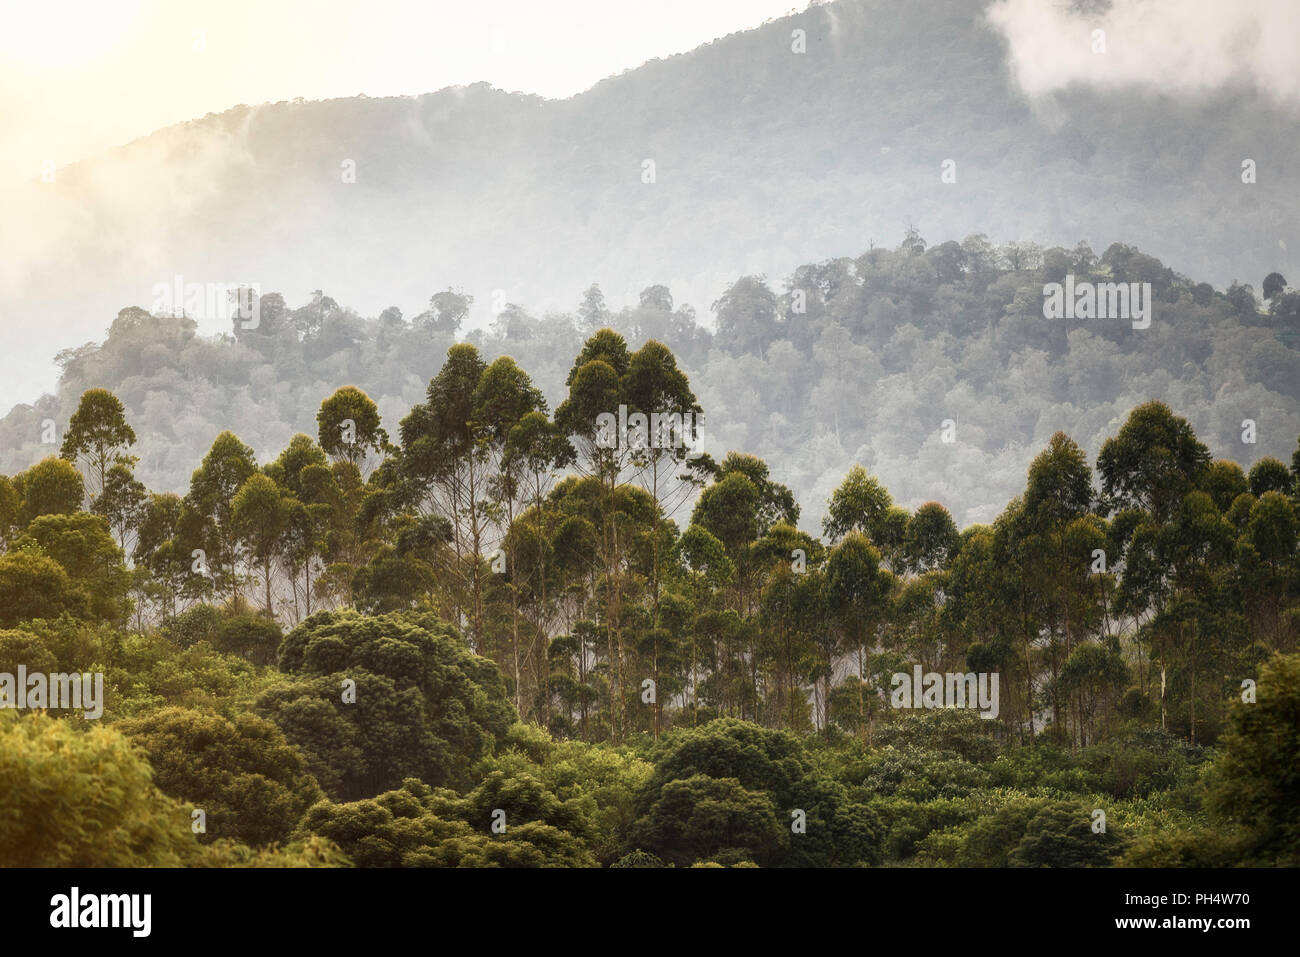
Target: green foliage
[[254, 637], [921, 775], [1137, 764], [604, 782], [50, 487], [99, 435], [424, 707], [961, 732], [348, 424], [32, 585], [83, 799], [700, 817], [146, 672], [84, 546], [638, 694], [731, 788], [1061, 834], [1026, 833], [1255, 778], [415, 826], [251, 784]]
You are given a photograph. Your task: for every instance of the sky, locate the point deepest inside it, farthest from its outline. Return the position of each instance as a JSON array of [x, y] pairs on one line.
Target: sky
[[80, 76]]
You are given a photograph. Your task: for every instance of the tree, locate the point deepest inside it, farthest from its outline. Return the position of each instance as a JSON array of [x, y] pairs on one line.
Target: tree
[[99, 435], [162, 552], [859, 504], [415, 826], [83, 545], [34, 586], [349, 427], [1270, 475], [593, 314], [308, 490], [260, 515], [424, 706], [11, 507], [857, 591], [447, 310], [213, 487], [83, 799], [122, 502], [703, 818], [1060, 834], [747, 316], [253, 637], [447, 473], [931, 538], [1242, 300], [668, 466], [1224, 481], [912, 244], [981, 255], [504, 397], [50, 487], [1058, 538], [252, 786], [1274, 283], [1254, 782], [1153, 461]]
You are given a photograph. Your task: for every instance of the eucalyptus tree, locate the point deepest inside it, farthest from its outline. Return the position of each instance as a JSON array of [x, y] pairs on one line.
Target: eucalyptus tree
[[98, 436], [858, 593], [350, 429], [443, 461], [213, 486], [1146, 471]]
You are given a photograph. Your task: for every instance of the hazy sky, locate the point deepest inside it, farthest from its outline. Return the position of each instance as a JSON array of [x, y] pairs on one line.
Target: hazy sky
[[80, 76]]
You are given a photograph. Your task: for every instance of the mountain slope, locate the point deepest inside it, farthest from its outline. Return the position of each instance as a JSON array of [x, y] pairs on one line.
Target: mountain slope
[[764, 159]]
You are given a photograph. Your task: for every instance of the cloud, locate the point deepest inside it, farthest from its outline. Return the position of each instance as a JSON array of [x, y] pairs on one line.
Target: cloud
[[98, 237], [1182, 47]]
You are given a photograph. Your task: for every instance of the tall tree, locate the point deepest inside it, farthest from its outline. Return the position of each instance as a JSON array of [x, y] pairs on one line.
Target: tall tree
[[350, 429], [99, 436], [213, 487]]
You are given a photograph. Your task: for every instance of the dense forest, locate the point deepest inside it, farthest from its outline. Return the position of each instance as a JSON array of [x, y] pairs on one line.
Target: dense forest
[[854, 360], [497, 629]]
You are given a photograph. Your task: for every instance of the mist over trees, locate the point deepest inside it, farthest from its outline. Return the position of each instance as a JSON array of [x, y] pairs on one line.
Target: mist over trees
[[764, 159], [850, 361]]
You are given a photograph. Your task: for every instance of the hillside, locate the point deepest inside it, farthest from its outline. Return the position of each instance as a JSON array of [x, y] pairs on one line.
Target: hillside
[[889, 345], [764, 159]]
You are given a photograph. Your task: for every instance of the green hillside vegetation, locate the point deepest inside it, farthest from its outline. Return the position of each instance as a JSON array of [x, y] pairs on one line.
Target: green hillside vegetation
[[887, 346], [482, 634]]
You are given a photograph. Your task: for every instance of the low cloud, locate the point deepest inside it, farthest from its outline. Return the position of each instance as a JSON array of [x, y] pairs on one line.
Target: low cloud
[[1183, 47]]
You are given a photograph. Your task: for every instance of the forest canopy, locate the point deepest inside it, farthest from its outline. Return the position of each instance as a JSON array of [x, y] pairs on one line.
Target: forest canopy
[[480, 633]]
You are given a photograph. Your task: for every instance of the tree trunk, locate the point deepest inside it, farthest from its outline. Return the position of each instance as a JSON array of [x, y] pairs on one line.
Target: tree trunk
[[1164, 702]]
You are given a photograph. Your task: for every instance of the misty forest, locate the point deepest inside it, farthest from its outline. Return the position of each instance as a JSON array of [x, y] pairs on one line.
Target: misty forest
[[868, 438], [377, 591]]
